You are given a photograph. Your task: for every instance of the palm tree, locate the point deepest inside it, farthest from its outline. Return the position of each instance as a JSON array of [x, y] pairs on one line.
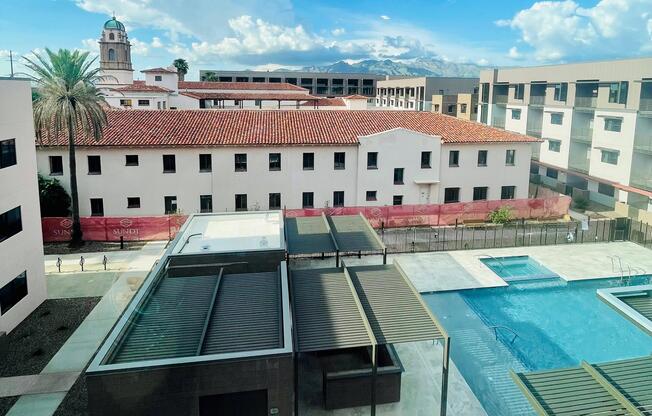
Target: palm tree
[[182, 67], [209, 76], [69, 102]]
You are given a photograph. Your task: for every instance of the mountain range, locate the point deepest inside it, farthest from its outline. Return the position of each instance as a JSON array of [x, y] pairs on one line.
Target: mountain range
[[414, 67]]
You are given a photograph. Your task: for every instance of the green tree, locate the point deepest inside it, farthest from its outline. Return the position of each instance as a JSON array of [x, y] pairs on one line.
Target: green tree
[[182, 67], [210, 77], [55, 201], [68, 104], [500, 215]]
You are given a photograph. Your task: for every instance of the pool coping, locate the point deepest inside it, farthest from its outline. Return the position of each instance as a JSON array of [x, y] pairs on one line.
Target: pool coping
[[610, 297]]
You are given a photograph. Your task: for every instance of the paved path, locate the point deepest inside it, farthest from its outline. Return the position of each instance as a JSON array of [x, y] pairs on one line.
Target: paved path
[[78, 350]]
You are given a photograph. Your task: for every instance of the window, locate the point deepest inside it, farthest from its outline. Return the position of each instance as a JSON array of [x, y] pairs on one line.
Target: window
[[56, 165], [463, 108], [451, 195], [308, 161], [13, 292], [451, 109], [510, 157], [618, 92], [371, 196], [158, 78], [397, 200], [205, 162], [169, 164], [519, 90], [275, 201], [259, 103], [426, 160], [240, 162], [11, 223], [436, 108], [131, 160], [507, 192], [111, 54], [609, 156], [94, 165], [554, 145], [613, 124], [240, 202], [339, 159], [482, 157], [516, 114], [97, 207], [143, 103], [552, 173], [485, 92], [480, 193], [605, 189], [133, 202], [338, 198], [556, 118], [125, 102], [307, 200], [398, 176], [454, 158], [372, 160], [205, 203], [7, 153], [170, 204], [111, 36], [274, 161], [561, 91]]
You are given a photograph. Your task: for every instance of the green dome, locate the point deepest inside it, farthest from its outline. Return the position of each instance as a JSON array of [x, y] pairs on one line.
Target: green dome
[[114, 24]]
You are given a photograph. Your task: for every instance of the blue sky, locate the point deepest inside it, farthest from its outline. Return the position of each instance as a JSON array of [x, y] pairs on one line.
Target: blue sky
[[266, 34]]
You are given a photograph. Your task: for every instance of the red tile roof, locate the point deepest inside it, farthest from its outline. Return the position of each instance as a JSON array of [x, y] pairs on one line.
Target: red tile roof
[[326, 102], [140, 86], [248, 96], [206, 85], [279, 128], [159, 70], [356, 97]]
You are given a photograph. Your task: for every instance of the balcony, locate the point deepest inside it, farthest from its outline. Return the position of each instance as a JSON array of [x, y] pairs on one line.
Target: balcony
[[586, 102], [643, 143], [646, 104], [537, 99], [533, 132], [579, 157], [536, 151], [582, 134], [500, 99]]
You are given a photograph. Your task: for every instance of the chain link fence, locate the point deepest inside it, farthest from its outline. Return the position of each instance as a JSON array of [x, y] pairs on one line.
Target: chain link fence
[[469, 237]]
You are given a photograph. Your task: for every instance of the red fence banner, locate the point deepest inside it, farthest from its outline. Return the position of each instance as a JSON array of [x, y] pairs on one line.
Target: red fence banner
[[166, 227]]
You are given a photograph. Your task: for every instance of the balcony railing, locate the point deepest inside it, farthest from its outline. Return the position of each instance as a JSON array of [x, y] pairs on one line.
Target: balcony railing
[[498, 122], [579, 162], [536, 150], [533, 131], [641, 181], [585, 102], [643, 143], [646, 104], [500, 99], [582, 134], [537, 99]]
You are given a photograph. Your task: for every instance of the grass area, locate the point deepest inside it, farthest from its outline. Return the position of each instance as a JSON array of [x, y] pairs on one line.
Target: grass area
[[28, 348], [91, 247]]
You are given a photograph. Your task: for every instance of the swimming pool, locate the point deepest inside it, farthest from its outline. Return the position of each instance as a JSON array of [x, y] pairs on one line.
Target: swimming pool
[[532, 325], [517, 268]]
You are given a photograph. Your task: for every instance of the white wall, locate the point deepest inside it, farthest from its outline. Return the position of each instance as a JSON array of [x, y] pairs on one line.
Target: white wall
[[168, 80], [114, 100], [556, 132], [517, 126], [622, 141], [23, 251], [396, 148]]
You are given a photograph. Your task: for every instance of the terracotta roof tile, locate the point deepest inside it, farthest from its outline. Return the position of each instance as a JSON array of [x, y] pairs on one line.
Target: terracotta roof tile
[[279, 128], [248, 96], [326, 102], [140, 86], [159, 70], [356, 97], [206, 85]]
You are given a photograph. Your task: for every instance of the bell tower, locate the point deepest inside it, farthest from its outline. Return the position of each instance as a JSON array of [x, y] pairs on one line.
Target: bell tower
[[115, 53]]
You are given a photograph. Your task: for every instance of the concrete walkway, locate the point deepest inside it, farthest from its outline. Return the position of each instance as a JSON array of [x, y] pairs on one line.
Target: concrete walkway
[[78, 350]]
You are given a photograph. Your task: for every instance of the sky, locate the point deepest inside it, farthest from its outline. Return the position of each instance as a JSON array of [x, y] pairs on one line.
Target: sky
[[269, 34]]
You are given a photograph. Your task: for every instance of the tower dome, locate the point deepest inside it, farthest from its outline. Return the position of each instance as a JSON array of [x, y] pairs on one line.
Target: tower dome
[[114, 24]]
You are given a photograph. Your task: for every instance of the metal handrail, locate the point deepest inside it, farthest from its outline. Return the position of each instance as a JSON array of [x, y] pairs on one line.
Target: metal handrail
[[497, 327], [494, 258]]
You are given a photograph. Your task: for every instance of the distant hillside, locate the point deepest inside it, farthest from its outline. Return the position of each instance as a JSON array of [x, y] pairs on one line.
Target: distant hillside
[[415, 67]]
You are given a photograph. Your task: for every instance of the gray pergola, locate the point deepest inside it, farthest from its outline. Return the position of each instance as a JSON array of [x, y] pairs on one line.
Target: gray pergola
[[332, 234], [361, 306]]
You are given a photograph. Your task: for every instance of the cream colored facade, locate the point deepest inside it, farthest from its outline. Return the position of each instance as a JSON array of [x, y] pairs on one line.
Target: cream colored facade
[[398, 148], [21, 254], [595, 118], [415, 93], [463, 105]]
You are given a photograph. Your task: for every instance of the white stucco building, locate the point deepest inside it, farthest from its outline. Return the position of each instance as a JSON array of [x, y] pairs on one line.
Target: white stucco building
[[22, 280], [595, 119], [157, 162]]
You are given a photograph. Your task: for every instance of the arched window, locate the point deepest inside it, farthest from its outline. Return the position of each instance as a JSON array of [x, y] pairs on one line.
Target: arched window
[[111, 55], [111, 36]]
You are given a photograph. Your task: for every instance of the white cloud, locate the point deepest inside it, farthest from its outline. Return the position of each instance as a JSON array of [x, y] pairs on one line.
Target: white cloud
[[138, 47], [156, 42], [4, 53], [514, 53], [339, 31], [558, 30], [90, 45], [385, 17]]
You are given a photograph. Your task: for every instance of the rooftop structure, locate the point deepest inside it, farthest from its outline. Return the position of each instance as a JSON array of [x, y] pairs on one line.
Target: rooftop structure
[[633, 302], [415, 93]]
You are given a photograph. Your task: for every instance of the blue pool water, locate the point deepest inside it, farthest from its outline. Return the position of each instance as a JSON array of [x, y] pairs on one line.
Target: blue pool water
[[517, 268], [532, 325]]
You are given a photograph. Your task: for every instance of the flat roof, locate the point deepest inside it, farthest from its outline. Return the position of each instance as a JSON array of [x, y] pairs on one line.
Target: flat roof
[[633, 302], [232, 232], [617, 388], [309, 235]]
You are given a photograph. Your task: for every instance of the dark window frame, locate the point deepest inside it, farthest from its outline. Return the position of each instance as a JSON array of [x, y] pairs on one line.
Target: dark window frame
[[308, 157], [94, 158], [241, 203], [308, 200], [209, 207], [171, 204], [508, 192], [454, 198], [372, 160], [11, 223], [454, 159], [399, 176], [274, 200], [339, 164], [131, 162], [274, 165], [510, 157], [169, 164], [338, 198], [426, 159], [143, 103], [205, 162], [133, 202], [397, 200], [371, 196], [13, 292], [94, 207], [53, 169], [485, 158], [480, 193], [8, 155], [240, 165]]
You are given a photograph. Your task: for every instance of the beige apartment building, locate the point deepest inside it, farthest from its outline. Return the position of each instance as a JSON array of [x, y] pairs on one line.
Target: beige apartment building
[[415, 93], [596, 122], [463, 105]]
